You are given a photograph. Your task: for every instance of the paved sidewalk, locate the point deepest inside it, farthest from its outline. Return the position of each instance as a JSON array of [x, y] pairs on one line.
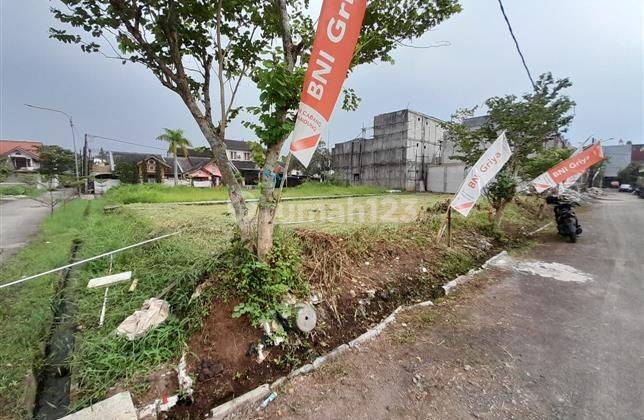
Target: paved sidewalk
[[19, 221]]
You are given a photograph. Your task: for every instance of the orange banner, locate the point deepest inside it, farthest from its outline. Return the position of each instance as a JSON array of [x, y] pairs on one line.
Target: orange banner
[[574, 165], [335, 42]]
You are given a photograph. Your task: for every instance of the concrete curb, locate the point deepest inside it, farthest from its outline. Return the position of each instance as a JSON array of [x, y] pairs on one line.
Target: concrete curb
[[540, 229], [253, 396], [460, 280]]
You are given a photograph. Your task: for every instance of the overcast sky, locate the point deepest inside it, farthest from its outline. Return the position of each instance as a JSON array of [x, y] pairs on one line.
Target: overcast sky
[[597, 43]]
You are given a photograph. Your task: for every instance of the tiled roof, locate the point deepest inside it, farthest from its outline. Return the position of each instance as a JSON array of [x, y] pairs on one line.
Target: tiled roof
[[245, 165], [28, 146], [237, 145], [132, 157]]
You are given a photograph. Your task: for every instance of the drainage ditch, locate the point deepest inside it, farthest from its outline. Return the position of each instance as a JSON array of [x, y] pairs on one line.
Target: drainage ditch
[[54, 379]]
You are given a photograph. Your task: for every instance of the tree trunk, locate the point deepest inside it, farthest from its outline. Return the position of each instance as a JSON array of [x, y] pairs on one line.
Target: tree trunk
[[176, 168], [498, 213], [216, 141], [542, 207], [267, 204]]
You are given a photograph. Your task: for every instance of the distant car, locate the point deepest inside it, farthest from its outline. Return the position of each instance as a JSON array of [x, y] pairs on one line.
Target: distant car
[[626, 188]]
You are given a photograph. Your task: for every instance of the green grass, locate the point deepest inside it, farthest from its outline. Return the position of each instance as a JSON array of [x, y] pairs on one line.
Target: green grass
[[180, 260], [154, 193], [19, 190], [25, 312], [313, 189], [102, 360]]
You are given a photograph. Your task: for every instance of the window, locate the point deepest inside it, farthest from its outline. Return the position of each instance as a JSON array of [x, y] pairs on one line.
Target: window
[[246, 155], [235, 155]]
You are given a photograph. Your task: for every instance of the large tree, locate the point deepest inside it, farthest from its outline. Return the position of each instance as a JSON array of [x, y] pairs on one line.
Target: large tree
[[55, 161], [629, 174], [533, 122], [189, 44], [176, 141]]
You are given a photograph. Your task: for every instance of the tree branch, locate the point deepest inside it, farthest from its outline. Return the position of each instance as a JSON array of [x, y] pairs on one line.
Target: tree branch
[[206, 87], [220, 75], [287, 39]]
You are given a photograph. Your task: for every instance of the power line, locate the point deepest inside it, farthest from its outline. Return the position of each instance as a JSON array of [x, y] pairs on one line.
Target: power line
[[125, 142], [438, 44], [517, 45]]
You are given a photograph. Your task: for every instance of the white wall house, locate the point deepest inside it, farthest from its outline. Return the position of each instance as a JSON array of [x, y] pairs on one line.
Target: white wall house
[[23, 156]]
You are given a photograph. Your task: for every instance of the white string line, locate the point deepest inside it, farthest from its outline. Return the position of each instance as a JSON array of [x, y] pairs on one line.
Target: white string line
[[87, 260]]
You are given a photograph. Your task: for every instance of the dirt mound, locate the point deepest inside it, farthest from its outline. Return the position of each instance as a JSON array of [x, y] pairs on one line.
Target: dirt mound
[[356, 279]]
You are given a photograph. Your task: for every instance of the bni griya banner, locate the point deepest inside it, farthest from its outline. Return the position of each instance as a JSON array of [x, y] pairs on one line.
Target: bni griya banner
[[574, 165], [335, 42], [483, 171]]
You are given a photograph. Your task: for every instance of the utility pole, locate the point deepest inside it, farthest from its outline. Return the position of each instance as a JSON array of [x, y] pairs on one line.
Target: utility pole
[[85, 163], [84, 160], [71, 125]]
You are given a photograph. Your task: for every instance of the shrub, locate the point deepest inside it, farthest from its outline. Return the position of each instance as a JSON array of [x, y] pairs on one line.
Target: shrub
[[263, 286], [127, 173]]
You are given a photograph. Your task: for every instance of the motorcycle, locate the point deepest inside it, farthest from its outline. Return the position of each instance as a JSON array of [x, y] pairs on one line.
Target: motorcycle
[[567, 223]]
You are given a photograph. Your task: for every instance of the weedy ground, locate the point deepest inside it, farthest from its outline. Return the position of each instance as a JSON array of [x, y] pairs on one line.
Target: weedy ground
[[11, 190], [329, 243], [155, 193]]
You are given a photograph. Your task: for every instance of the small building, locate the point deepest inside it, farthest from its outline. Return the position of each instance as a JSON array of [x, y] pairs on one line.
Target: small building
[[618, 157], [198, 169], [24, 156]]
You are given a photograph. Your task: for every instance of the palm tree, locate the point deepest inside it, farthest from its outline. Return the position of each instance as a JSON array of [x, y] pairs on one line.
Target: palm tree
[[175, 140]]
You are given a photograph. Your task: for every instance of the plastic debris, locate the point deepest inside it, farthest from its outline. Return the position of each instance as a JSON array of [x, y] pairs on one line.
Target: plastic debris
[[267, 401], [135, 283], [153, 313], [260, 353], [185, 381]]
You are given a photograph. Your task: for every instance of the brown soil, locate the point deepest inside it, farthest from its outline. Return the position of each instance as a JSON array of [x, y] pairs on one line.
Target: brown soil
[[354, 289]]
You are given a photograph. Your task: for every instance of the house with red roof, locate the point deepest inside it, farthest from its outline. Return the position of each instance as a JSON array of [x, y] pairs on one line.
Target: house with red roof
[[24, 156]]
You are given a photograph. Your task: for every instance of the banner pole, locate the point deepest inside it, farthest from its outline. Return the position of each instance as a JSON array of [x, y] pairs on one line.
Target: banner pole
[[441, 229], [449, 226]]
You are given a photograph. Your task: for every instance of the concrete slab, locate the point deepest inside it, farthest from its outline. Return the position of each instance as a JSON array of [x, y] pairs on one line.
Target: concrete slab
[[117, 407]]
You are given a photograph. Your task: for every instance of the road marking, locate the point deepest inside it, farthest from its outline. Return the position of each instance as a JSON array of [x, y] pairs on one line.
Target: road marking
[[552, 270]]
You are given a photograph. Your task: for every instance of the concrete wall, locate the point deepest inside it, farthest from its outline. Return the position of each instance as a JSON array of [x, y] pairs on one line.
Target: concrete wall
[[170, 182], [101, 186], [446, 178], [619, 156], [201, 184], [370, 162]]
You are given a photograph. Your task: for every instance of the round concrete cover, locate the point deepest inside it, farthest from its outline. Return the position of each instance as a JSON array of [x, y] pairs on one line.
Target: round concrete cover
[[306, 317]]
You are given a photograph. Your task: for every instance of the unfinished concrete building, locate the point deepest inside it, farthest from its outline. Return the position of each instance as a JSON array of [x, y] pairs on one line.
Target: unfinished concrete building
[[407, 152]]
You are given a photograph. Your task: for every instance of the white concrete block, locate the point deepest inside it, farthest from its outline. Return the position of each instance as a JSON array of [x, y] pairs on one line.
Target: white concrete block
[[109, 280], [117, 407]]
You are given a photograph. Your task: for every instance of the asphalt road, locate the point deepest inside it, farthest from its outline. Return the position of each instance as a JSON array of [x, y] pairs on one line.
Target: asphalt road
[[19, 221], [511, 344]]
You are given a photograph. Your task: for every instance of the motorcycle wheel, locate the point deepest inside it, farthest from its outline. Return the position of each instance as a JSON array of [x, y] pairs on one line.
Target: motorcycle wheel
[[572, 231]]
